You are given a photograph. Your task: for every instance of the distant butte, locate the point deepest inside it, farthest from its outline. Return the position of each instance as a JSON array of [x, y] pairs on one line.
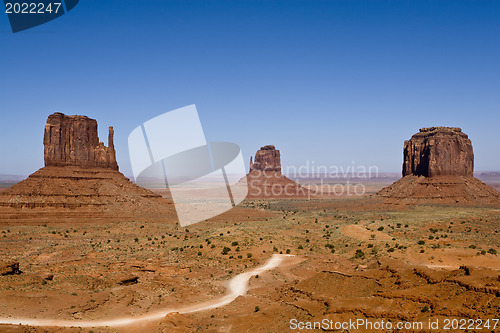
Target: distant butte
[[266, 159], [265, 179], [438, 167], [80, 180]]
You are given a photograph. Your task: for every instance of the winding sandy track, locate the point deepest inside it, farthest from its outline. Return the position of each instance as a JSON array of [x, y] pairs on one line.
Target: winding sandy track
[[237, 287]]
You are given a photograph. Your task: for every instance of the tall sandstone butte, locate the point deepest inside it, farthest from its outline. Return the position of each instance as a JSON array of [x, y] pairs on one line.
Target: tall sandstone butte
[[73, 141], [266, 180], [266, 159], [438, 167], [80, 181], [438, 151]]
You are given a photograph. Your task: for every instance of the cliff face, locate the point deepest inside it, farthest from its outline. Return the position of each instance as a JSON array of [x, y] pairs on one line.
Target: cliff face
[[266, 159], [438, 168], [73, 141], [438, 151]]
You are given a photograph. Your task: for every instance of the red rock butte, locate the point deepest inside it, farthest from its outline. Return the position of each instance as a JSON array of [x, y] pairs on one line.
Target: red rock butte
[[438, 167], [265, 179], [438, 151], [80, 181], [266, 159], [73, 141]]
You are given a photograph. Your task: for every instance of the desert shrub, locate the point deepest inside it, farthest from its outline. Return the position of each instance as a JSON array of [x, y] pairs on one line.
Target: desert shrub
[[492, 251], [234, 244], [225, 250], [465, 269], [288, 251], [421, 242], [380, 228], [300, 247], [425, 309], [256, 309], [249, 255], [359, 254]]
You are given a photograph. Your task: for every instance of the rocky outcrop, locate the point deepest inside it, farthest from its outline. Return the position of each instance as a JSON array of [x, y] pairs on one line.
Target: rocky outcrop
[[80, 181], [73, 141], [266, 159], [438, 151], [9, 268], [265, 179], [126, 279], [438, 168]]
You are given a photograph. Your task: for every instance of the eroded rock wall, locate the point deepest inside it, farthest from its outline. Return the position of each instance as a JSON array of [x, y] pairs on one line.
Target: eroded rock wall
[[266, 159], [438, 151], [73, 141]]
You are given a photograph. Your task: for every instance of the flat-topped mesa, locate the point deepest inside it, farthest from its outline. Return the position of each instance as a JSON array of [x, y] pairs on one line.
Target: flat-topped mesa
[[73, 141], [266, 159], [438, 151]]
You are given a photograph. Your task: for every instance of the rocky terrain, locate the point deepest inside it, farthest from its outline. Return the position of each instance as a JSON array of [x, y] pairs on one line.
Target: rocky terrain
[[80, 242], [391, 264]]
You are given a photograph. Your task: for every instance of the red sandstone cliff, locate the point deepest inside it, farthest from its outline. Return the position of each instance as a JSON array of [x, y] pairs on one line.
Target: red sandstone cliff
[[73, 141], [438, 151], [266, 159], [438, 168]]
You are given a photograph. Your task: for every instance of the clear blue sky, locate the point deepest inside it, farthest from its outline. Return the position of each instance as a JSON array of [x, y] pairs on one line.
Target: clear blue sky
[[329, 81]]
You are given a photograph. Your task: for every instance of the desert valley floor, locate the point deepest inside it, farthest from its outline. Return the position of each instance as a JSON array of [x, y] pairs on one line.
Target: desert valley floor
[[352, 258]]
